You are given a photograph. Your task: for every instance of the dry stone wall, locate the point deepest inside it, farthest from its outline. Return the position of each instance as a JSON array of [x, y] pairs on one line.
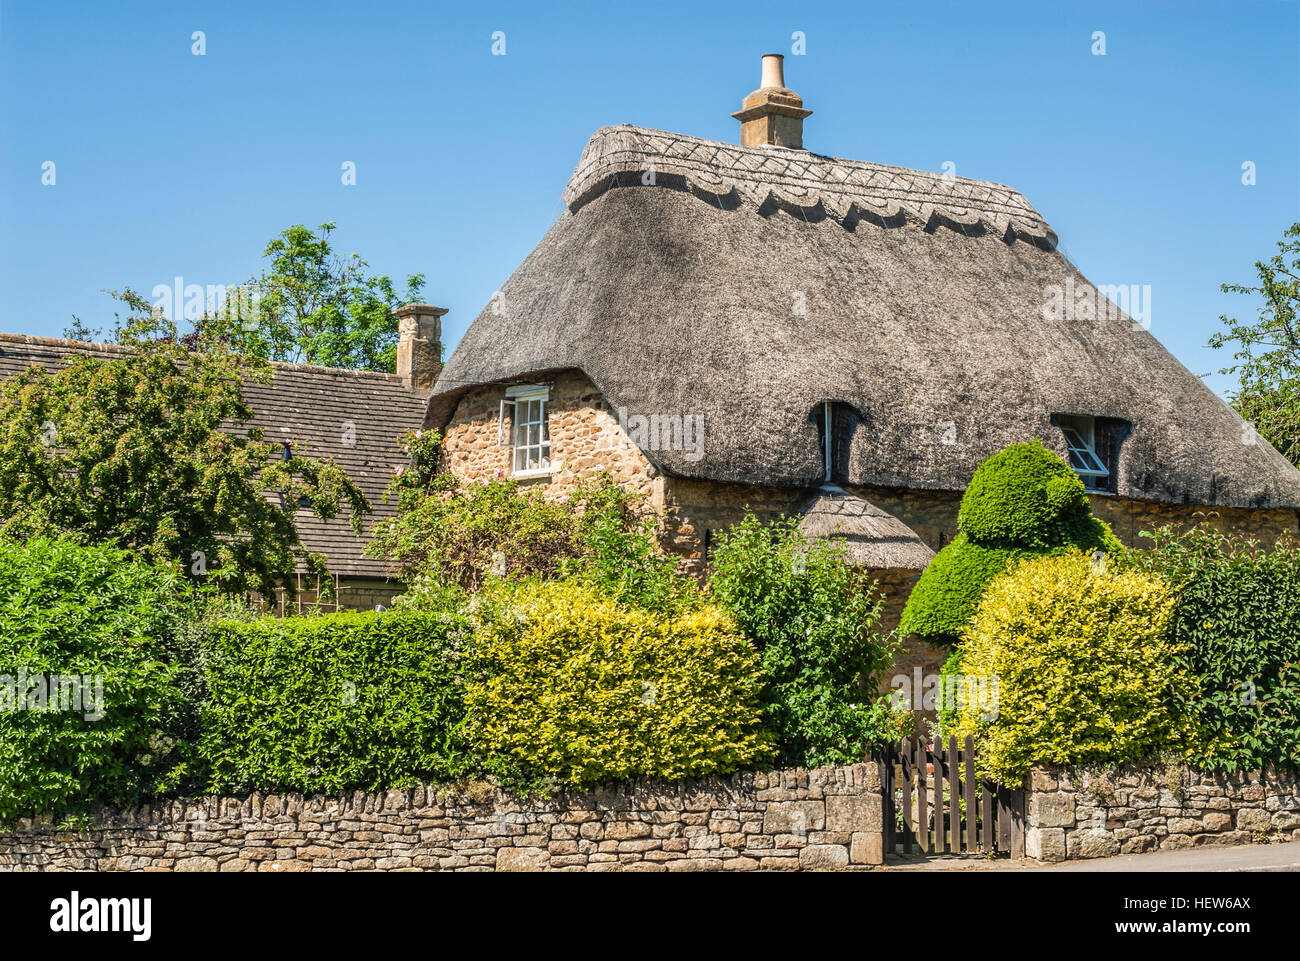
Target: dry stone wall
[[798, 820], [1075, 815]]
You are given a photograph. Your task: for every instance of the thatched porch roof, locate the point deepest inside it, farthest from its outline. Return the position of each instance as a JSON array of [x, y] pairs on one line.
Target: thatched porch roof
[[873, 538]]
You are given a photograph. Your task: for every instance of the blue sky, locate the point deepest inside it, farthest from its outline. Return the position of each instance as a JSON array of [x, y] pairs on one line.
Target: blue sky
[[168, 164]]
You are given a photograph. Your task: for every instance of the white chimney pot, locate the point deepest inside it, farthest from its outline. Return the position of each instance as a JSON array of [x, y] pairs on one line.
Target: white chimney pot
[[773, 71]]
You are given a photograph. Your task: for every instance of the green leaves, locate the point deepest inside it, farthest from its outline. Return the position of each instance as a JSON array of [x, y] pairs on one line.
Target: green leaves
[[467, 535], [335, 703], [1268, 350], [573, 689], [142, 449], [316, 307], [1238, 621], [103, 618], [1024, 500], [1084, 669], [811, 615]]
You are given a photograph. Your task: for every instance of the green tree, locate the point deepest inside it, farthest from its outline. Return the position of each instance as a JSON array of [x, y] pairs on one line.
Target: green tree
[[1268, 350], [313, 306], [149, 450], [317, 307]]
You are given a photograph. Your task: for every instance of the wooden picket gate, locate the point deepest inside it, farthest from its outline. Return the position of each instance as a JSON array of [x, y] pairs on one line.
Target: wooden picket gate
[[975, 816]]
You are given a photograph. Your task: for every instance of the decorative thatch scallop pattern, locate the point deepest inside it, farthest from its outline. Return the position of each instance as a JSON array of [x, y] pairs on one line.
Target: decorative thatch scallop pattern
[[936, 341], [801, 183]]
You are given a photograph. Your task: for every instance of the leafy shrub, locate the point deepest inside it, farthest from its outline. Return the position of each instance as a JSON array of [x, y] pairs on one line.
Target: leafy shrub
[[335, 702], [449, 535], [812, 616], [621, 557], [573, 689], [1022, 501], [1085, 671], [86, 613], [948, 713], [949, 589], [466, 535], [1237, 620], [1025, 496]]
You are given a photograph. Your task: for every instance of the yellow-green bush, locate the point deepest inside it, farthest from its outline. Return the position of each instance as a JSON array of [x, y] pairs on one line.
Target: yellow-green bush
[[1085, 673], [573, 689]]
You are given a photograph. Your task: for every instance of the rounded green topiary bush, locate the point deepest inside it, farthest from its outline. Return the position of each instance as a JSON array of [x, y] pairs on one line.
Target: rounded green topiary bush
[[1022, 501], [1026, 496], [949, 590]]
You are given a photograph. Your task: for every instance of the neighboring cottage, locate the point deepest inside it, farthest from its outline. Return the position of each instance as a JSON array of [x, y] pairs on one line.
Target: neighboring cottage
[[354, 417], [759, 326]]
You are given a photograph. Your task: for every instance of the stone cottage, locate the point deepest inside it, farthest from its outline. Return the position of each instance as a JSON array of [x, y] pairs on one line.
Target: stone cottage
[[759, 327], [724, 327]]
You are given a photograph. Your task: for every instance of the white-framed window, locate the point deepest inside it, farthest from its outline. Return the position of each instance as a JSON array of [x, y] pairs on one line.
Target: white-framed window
[[530, 432], [1081, 441]]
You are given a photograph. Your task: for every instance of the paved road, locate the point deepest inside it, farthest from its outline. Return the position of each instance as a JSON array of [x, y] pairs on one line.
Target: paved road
[[1246, 857]]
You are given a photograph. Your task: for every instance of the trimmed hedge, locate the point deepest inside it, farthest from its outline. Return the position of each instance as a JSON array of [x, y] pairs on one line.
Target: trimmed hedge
[[335, 703], [573, 689], [96, 615], [1022, 501], [1025, 496], [1086, 673], [1238, 620], [949, 590]]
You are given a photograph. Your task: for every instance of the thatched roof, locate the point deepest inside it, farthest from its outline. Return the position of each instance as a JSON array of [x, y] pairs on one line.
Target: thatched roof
[[751, 284], [873, 538], [308, 406]]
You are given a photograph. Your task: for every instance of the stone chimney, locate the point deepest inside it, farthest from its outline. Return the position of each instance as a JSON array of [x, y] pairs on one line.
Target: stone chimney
[[772, 115], [419, 346]]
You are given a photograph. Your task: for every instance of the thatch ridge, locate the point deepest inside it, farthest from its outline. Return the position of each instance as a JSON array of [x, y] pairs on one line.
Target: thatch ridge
[[936, 339]]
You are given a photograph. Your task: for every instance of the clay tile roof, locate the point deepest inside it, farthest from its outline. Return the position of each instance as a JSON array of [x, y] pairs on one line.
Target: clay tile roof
[[309, 407], [750, 284]]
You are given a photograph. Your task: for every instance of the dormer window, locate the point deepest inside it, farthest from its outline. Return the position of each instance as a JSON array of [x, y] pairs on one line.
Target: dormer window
[[1091, 449], [530, 432]]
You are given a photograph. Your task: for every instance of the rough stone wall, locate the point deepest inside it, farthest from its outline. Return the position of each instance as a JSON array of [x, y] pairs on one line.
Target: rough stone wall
[[1074, 815], [798, 820], [933, 515], [693, 512], [1128, 518], [585, 440]]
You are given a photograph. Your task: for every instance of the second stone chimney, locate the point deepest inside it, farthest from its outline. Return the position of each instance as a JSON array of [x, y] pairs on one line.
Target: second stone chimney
[[419, 345], [773, 114]]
